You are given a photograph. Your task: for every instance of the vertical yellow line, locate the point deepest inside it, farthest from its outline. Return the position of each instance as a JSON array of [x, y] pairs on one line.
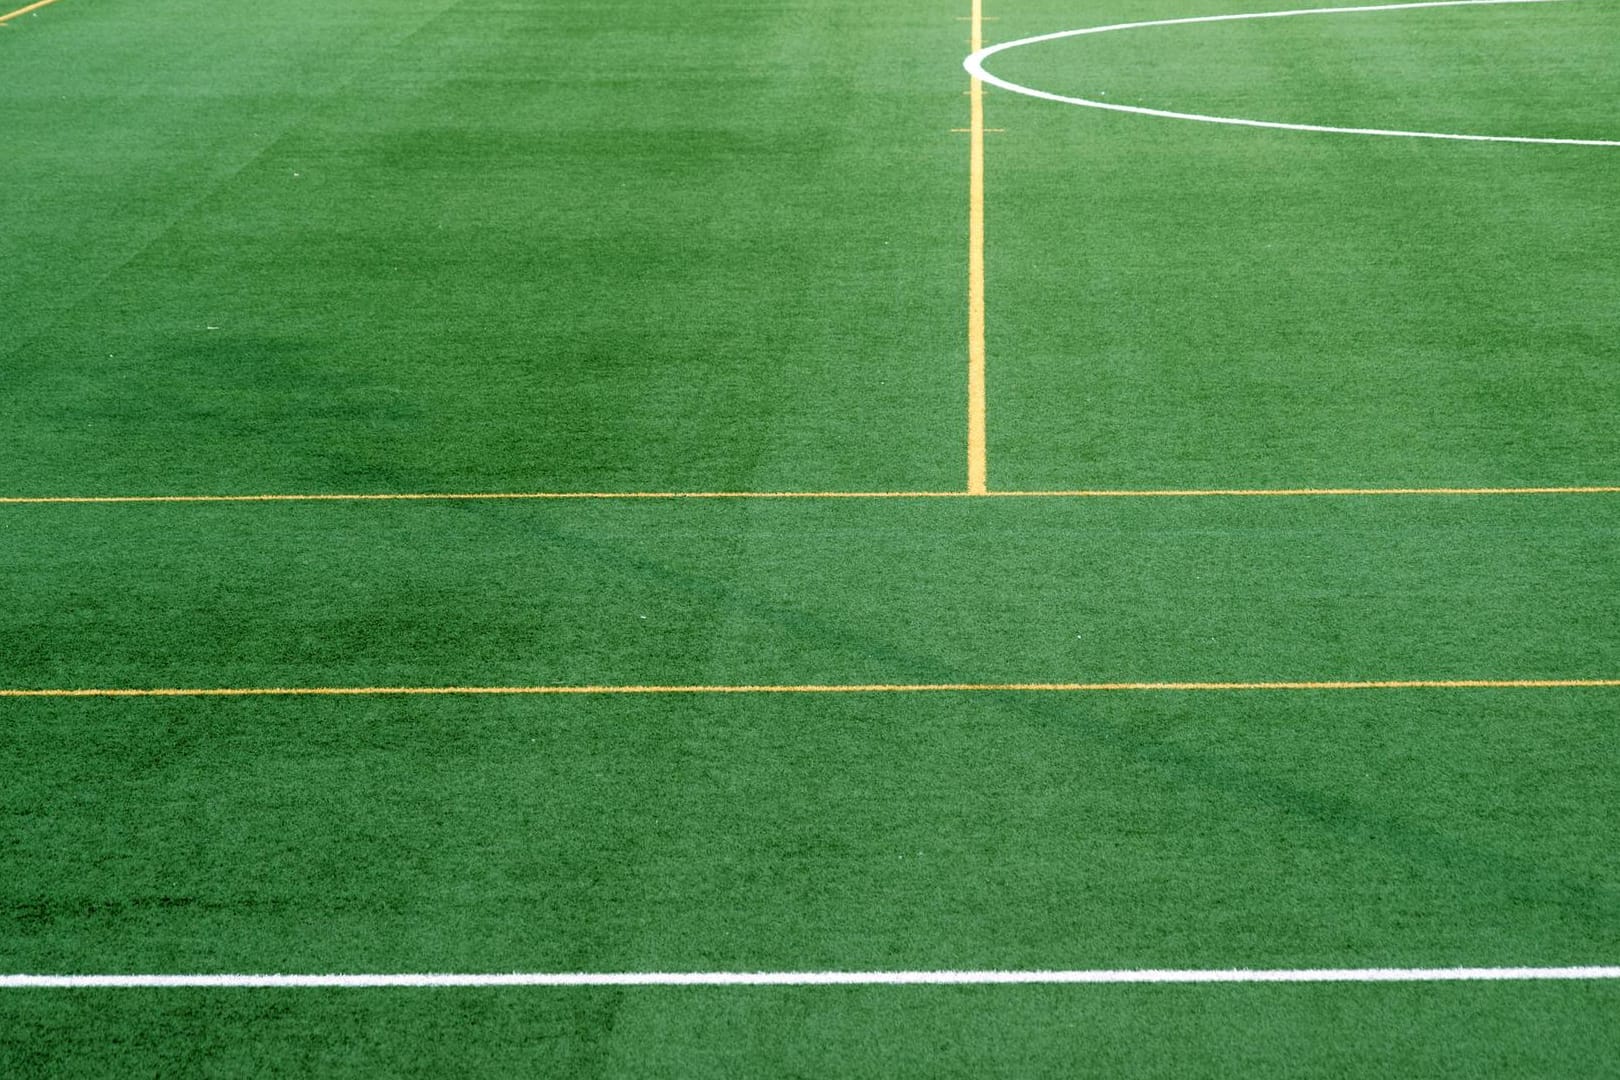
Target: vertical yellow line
[[977, 468]]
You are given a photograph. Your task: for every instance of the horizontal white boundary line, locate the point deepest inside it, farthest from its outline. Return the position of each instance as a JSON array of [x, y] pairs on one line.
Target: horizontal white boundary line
[[975, 67], [811, 688], [811, 978]]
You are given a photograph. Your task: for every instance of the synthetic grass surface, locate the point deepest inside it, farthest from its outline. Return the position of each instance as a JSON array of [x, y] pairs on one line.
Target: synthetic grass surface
[[811, 591], [883, 831], [416, 246], [1176, 304], [1005, 1031], [1401, 828], [533, 247]]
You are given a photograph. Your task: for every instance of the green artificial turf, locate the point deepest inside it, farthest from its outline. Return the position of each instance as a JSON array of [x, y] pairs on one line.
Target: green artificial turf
[[1175, 304], [810, 591], [1008, 1031], [525, 246], [1402, 828], [422, 246]]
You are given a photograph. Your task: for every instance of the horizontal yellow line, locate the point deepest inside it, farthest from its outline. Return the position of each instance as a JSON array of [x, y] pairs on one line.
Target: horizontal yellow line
[[8, 16], [484, 496], [1195, 493], [491, 496], [814, 688]]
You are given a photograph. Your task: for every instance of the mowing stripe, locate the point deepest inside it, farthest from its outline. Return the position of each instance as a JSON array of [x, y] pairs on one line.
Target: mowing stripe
[[811, 688], [812, 978], [24, 10], [975, 67], [519, 496], [978, 467]]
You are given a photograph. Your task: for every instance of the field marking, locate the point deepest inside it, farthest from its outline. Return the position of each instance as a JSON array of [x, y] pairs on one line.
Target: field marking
[[809, 688], [813, 978], [1204, 493], [532, 496], [24, 10], [977, 465], [975, 67]]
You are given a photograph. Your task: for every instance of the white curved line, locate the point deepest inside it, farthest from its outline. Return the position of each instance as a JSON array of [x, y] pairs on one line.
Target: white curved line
[[975, 67]]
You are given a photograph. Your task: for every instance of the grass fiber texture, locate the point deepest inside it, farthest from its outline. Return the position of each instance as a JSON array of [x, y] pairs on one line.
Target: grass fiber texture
[[422, 247]]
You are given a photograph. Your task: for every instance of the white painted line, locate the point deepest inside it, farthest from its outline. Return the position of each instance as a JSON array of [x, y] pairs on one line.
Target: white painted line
[[812, 978], [975, 67]]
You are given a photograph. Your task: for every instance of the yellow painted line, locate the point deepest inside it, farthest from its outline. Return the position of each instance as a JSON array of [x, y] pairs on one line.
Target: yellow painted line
[[1204, 493], [813, 688], [518, 496], [977, 468], [481, 496], [25, 10]]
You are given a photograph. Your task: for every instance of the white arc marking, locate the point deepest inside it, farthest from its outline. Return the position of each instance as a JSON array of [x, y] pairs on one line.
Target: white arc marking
[[975, 67], [813, 978]]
